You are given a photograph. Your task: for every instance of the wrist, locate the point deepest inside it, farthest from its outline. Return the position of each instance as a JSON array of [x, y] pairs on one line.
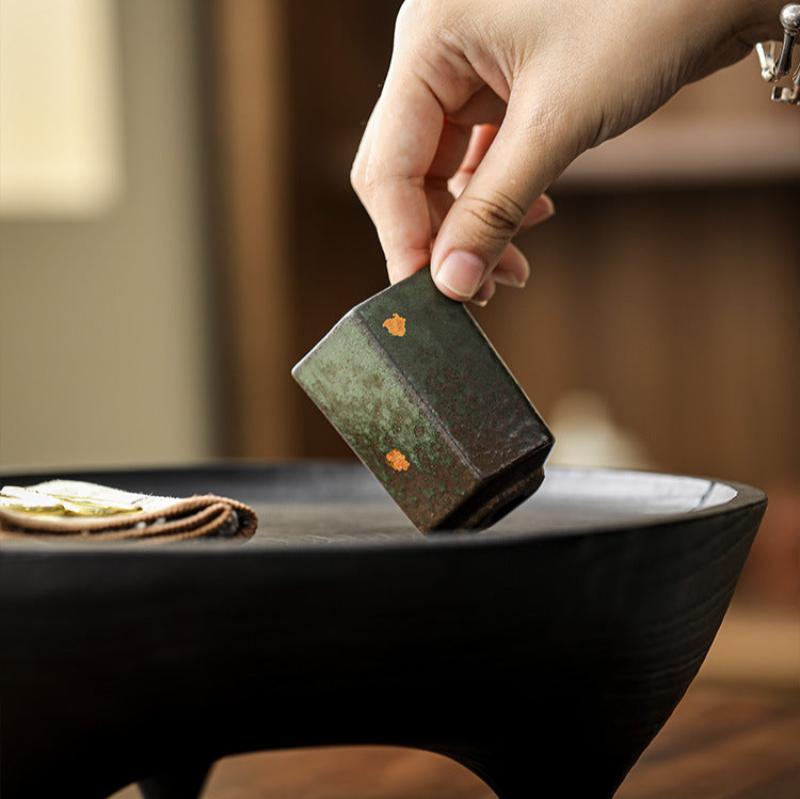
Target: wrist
[[758, 20]]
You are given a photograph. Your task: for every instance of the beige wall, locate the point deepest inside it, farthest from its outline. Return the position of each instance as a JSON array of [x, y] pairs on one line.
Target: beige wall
[[103, 336]]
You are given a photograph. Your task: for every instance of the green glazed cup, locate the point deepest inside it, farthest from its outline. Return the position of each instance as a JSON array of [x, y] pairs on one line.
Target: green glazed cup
[[416, 389]]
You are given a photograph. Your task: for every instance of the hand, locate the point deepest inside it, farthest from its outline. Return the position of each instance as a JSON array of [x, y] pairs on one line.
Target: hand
[[487, 102]]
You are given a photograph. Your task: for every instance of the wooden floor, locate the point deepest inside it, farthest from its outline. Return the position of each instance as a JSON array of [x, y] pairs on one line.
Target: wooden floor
[[721, 743]]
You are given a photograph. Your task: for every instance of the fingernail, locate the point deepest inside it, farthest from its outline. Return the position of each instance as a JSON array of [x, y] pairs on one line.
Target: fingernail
[[507, 279], [461, 273], [542, 209]]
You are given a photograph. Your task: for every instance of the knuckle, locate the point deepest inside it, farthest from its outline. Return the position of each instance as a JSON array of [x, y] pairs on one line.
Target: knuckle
[[410, 12], [368, 185], [407, 16], [369, 181], [499, 214], [357, 178]]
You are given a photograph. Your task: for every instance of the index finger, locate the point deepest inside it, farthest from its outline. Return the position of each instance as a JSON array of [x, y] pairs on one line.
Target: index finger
[[389, 173]]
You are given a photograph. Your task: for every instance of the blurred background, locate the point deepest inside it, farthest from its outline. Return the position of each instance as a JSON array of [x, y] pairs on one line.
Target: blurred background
[[177, 228]]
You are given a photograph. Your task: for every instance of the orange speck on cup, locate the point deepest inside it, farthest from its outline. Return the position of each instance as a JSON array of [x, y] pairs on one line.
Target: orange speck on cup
[[397, 460], [396, 325]]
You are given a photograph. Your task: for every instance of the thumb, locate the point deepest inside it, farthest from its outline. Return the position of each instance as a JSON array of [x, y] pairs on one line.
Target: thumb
[[528, 153]]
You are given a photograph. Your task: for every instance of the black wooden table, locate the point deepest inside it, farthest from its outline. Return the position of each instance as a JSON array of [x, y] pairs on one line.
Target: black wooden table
[[543, 654]]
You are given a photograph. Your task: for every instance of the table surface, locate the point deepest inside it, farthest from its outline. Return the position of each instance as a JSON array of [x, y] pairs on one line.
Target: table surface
[[338, 503], [721, 743]]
